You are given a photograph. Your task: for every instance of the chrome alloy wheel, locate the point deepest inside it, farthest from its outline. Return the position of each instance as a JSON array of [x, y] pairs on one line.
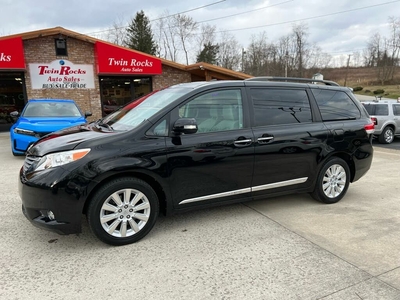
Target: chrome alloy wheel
[[334, 181], [388, 136], [125, 213]]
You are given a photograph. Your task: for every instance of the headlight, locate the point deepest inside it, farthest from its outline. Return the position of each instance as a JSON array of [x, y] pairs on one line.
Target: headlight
[[60, 158], [24, 131]]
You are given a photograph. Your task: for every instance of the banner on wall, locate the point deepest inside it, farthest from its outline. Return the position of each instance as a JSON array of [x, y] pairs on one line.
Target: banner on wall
[[61, 74], [12, 54], [117, 60]]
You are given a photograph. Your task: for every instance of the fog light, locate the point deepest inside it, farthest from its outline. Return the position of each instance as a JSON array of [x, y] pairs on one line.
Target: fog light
[[50, 215]]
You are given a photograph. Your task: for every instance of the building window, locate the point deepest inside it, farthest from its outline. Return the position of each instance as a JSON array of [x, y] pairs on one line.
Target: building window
[[61, 47]]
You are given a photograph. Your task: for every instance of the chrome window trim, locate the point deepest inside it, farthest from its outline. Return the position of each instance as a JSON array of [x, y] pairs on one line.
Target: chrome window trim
[[247, 190]]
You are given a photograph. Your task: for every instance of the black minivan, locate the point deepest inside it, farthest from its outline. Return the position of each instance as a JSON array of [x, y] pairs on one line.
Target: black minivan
[[196, 145]]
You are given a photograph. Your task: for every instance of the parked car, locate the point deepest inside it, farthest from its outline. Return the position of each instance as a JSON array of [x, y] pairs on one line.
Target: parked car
[[41, 117], [7, 105], [386, 116], [110, 106], [196, 145]]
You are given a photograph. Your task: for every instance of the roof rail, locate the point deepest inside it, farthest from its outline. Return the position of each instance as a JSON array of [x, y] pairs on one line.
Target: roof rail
[[292, 79]]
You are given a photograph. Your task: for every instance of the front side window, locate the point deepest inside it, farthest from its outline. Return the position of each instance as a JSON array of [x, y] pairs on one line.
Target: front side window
[[215, 111], [336, 105], [275, 106]]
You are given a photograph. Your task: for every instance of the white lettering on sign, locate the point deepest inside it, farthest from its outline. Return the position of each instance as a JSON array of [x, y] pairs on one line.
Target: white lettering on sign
[[117, 62], [136, 64], [4, 57], [61, 74]]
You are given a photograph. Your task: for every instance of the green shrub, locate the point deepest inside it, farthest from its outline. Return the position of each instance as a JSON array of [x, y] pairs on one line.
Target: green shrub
[[379, 91], [358, 88]]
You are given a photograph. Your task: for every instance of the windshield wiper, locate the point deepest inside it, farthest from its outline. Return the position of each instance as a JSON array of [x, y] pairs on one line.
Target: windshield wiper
[[100, 124]]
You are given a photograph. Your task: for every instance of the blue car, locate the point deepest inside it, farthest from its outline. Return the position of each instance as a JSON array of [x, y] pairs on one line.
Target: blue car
[[40, 117]]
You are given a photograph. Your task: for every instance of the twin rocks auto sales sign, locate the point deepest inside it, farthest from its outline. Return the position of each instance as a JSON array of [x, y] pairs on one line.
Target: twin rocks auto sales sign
[[113, 59], [61, 74], [12, 54]]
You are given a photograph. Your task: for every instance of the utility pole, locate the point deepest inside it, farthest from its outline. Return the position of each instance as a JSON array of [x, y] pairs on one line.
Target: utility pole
[[286, 62], [243, 53], [347, 70]]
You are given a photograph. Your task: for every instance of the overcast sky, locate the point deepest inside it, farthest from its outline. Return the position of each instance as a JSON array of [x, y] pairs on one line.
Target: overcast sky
[[339, 27]]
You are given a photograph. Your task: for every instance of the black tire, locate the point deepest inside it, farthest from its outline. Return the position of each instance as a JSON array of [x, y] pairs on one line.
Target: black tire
[[332, 182], [387, 135], [133, 218]]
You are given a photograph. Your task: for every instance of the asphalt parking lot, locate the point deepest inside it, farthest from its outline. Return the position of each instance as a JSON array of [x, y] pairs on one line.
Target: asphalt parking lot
[[288, 247]]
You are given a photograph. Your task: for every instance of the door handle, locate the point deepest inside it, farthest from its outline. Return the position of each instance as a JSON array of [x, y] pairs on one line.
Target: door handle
[[242, 143]]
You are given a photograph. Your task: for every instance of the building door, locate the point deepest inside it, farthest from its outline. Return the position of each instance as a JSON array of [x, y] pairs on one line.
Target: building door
[[12, 97], [117, 91]]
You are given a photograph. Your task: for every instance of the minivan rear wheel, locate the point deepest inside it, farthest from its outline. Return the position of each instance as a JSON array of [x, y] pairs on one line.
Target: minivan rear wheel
[[332, 182], [123, 211], [387, 135]]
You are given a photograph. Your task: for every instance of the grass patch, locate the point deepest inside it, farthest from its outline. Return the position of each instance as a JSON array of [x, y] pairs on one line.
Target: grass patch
[[390, 91]]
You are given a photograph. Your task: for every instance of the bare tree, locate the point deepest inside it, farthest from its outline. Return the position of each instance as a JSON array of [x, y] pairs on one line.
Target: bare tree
[[300, 33], [167, 37], [206, 36], [256, 55], [117, 33], [186, 28], [229, 51], [356, 59]]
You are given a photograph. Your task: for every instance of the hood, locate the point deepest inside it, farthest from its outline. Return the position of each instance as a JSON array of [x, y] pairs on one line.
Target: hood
[[66, 139], [48, 124]]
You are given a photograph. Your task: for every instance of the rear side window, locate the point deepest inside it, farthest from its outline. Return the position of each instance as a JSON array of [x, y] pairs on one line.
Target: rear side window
[[377, 109], [396, 109], [335, 105], [274, 106]]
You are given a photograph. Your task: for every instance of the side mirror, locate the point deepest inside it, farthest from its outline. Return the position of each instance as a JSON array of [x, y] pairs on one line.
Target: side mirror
[[88, 114], [14, 114], [185, 125]]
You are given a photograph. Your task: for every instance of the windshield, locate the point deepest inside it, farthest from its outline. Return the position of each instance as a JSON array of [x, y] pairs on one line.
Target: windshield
[[51, 109], [134, 113]]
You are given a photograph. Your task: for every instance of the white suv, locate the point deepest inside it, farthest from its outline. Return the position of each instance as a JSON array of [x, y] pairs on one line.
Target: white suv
[[386, 116]]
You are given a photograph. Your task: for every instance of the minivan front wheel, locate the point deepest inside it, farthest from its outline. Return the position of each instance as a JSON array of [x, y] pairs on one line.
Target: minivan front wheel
[[123, 211], [332, 181], [387, 135]]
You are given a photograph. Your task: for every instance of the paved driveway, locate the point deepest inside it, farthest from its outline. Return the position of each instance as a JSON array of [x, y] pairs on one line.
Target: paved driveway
[[282, 248]]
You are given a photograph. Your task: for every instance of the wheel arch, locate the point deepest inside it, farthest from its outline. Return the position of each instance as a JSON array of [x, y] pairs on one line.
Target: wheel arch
[[155, 185]]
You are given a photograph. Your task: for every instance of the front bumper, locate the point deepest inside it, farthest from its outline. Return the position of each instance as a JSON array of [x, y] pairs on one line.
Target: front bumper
[[21, 142], [52, 191]]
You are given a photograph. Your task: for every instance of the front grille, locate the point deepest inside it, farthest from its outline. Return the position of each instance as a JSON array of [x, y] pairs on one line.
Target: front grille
[[29, 161]]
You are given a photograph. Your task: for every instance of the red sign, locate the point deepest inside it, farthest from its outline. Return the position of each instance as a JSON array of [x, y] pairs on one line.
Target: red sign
[[117, 60], [12, 54]]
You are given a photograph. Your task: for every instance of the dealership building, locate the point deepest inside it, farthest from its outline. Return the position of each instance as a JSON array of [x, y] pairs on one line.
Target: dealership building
[[98, 75]]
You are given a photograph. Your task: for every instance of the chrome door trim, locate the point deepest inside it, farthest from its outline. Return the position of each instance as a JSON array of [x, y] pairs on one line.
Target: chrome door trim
[[219, 195], [247, 190], [278, 184]]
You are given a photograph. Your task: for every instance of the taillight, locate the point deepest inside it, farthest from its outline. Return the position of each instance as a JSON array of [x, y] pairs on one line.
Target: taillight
[[375, 120], [370, 127]]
